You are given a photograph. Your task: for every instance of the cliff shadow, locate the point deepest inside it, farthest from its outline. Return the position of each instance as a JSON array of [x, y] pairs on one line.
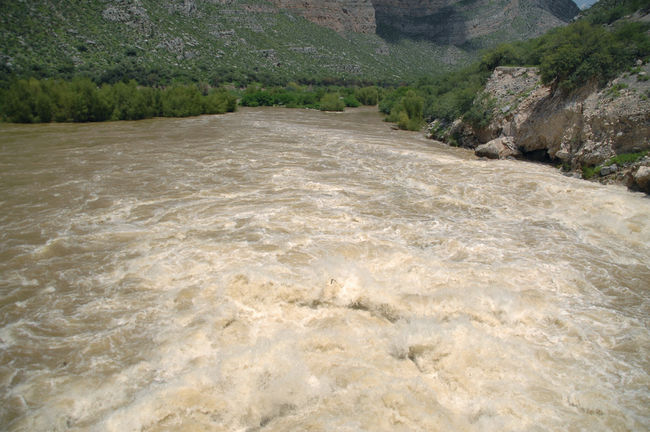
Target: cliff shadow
[[446, 26]]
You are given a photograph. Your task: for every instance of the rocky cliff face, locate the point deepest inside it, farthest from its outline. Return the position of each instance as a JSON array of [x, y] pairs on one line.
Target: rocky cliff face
[[341, 15], [443, 21], [457, 22], [583, 129]]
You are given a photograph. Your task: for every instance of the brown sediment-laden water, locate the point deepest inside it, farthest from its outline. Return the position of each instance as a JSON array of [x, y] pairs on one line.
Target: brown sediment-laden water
[[293, 270]]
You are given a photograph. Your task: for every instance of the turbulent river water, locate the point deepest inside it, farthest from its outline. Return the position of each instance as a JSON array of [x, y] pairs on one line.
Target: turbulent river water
[[292, 270]]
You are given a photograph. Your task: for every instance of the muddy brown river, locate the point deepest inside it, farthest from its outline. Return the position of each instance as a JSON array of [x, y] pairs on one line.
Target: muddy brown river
[[293, 270]]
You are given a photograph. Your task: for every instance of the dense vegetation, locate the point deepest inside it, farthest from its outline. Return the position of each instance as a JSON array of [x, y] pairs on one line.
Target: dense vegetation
[[594, 49], [293, 95], [608, 11], [81, 100]]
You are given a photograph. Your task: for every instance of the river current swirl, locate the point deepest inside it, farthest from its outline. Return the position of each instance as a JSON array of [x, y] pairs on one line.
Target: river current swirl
[[292, 270]]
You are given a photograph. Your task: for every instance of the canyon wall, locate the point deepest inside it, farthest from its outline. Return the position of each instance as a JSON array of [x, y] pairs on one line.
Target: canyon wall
[[447, 22], [457, 22]]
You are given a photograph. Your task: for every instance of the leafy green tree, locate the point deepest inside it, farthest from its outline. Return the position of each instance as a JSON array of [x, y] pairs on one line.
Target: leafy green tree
[[332, 102], [408, 111], [503, 55], [413, 105], [219, 102], [87, 104], [181, 101], [482, 111], [351, 101], [367, 95], [43, 107], [127, 101], [18, 104]]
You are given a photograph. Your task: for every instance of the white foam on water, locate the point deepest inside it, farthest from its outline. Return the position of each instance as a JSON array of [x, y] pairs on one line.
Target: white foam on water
[[249, 272]]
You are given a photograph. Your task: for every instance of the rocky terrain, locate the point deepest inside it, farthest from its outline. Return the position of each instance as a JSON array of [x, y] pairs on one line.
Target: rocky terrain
[[447, 22], [598, 133]]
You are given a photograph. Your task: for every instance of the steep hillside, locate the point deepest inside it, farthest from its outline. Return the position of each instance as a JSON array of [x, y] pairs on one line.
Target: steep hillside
[[213, 40], [478, 23], [273, 41]]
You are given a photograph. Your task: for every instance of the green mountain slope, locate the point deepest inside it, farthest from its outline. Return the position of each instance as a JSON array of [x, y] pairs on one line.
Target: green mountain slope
[[155, 41]]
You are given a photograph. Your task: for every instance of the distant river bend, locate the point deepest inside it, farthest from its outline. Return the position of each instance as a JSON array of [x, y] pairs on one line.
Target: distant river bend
[[293, 270]]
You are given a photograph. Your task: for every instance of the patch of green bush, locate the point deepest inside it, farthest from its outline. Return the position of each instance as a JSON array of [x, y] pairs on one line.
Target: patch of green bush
[[615, 90], [332, 102], [608, 11], [291, 96], [589, 172], [626, 158], [407, 112], [351, 101], [367, 95], [482, 111]]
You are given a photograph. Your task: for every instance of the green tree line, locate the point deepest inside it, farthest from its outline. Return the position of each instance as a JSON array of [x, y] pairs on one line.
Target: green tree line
[[81, 100], [293, 95]]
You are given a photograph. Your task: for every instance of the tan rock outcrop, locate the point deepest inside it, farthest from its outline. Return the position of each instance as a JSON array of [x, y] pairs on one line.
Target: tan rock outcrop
[[639, 178], [586, 127], [499, 148]]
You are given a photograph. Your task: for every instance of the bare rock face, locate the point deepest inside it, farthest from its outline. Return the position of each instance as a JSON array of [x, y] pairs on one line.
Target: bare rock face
[[341, 15], [458, 21], [130, 12], [584, 128]]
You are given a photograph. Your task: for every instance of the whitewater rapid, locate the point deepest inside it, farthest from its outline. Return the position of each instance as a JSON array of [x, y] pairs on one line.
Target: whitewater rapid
[[280, 270]]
